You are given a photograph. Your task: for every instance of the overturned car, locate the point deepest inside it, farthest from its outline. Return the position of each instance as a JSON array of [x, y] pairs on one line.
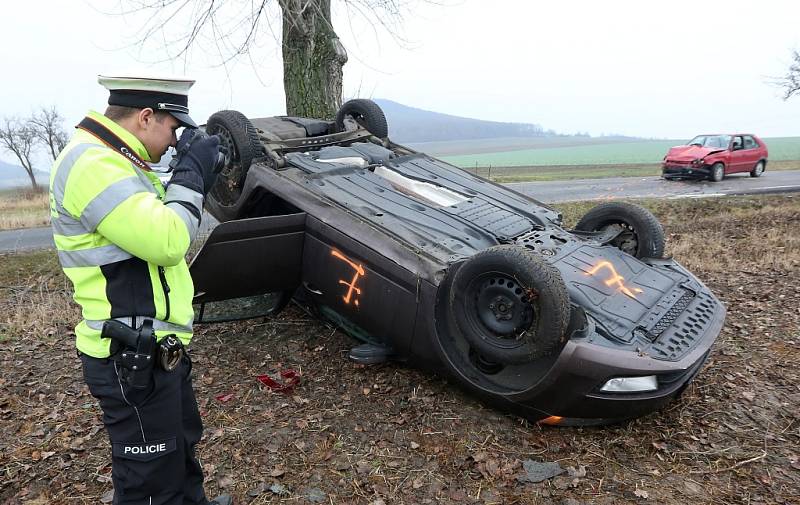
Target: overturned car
[[447, 271]]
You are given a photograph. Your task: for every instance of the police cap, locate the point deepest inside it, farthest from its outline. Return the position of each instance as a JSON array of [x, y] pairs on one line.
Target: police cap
[[167, 94]]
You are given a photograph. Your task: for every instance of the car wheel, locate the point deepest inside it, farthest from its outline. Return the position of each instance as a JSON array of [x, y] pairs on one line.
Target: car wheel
[[717, 172], [366, 114], [510, 305], [640, 233], [240, 138], [758, 169]]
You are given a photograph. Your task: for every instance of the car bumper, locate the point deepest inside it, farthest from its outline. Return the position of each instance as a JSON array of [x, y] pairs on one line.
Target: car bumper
[[572, 393], [685, 172]]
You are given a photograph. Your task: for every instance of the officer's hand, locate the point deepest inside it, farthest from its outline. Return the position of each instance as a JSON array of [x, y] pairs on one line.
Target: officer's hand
[[205, 151], [195, 160], [186, 137]]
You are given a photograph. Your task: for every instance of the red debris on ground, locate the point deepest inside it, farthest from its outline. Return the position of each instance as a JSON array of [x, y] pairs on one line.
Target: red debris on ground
[[224, 398], [290, 376]]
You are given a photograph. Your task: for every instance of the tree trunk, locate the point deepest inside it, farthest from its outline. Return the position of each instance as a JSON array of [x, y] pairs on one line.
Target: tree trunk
[[32, 178], [25, 161], [313, 58]]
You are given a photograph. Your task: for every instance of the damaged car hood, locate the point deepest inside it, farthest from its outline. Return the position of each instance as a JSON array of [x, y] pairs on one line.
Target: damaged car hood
[[690, 153]]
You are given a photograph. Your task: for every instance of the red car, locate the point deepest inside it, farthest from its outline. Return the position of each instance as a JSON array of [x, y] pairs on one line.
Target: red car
[[715, 156]]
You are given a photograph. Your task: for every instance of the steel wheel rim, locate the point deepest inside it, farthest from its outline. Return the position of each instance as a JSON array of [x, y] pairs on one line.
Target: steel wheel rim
[[228, 189], [226, 140], [499, 309]]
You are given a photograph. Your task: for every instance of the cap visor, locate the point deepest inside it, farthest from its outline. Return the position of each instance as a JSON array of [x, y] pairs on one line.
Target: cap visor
[[183, 119]]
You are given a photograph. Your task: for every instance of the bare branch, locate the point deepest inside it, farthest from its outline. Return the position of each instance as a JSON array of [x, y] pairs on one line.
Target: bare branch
[[791, 82], [47, 126], [18, 138], [312, 52]]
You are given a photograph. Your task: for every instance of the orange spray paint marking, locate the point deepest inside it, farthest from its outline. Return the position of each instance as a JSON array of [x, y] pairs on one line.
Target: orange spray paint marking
[[615, 278], [351, 286]]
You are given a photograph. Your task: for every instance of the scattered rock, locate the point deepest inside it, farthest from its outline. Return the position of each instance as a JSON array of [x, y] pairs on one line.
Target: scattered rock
[[315, 495], [692, 488], [536, 471], [278, 489], [576, 473], [258, 490]]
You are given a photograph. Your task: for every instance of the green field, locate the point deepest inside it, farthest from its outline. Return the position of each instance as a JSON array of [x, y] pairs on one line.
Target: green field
[[616, 153]]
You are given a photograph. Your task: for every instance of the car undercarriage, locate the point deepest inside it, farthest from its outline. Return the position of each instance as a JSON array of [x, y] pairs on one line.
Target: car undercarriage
[[453, 273]]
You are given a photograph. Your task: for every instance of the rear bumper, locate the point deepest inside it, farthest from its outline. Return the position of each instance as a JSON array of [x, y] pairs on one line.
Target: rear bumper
[[685, 172]]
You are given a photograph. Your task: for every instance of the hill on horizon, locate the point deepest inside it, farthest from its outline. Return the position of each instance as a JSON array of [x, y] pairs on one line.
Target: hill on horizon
[[12, 176], [410, 124]]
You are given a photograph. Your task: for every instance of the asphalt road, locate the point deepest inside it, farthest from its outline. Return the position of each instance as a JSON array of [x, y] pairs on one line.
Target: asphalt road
[[656, 187], [548, 192]]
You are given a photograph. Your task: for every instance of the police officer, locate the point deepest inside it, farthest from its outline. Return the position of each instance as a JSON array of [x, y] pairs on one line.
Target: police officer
[[121, 238]]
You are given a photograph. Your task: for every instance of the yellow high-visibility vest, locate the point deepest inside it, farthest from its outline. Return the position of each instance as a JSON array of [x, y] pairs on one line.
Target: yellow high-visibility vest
[[121, 238]]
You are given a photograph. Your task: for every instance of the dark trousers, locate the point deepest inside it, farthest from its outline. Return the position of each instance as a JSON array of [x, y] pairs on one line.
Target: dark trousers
[[153, 433]]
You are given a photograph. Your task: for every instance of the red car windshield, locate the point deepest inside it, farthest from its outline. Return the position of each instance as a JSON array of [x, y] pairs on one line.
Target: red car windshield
[[721, 141]]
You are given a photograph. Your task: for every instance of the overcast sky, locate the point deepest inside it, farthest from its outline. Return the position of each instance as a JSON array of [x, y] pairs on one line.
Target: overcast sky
[[650, 69]]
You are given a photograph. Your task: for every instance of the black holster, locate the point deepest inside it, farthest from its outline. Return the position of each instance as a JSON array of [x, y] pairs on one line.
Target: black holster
[[136, 354], [137, 351]]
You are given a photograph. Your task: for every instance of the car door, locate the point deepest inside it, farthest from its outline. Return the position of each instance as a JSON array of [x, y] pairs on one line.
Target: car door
[[358, 288], [751, 153], [248, 267], [738, 155]]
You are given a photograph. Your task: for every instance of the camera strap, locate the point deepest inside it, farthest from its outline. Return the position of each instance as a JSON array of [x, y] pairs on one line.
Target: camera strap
[[112, 140]]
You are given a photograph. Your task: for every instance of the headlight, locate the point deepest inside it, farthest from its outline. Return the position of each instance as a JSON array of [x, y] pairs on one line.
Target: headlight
[[697, 163], [631, 384]]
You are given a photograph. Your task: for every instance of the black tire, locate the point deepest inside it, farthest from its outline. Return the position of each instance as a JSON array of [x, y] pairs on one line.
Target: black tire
[[717, 172], [510, 305], [240, 138], [758, 170], [366, 113], [642, 237]]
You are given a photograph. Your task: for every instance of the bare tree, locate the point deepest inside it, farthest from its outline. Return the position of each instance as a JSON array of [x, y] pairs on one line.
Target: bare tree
[[19, 138], [313, 55], [48, 125], [791, 82]]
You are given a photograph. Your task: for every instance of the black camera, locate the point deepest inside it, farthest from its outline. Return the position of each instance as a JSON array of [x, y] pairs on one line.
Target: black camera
[[222, 156]]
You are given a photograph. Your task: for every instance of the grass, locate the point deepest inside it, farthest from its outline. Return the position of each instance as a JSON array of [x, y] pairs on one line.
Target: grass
[[36, 296], [762, 227], [614, 153], [493, 145], [23, 208]]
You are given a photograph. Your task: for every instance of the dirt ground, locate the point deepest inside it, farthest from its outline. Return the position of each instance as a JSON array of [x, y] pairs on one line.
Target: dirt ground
[[390, 434]]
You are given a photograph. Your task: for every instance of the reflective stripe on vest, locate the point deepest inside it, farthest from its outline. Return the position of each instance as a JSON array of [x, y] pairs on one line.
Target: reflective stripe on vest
[[175, 194], [94, 212], [65, 224], [93, 257]]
